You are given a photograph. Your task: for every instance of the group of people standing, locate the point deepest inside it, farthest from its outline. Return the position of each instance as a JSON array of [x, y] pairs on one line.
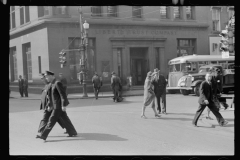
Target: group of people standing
[[155, 89]]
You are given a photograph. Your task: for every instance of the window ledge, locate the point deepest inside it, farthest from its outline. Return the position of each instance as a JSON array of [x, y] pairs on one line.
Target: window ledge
[[13, 29], [138, 19], [25, 24]]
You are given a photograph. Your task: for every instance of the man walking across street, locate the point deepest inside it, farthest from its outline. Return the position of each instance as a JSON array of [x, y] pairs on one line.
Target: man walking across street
[[97, 83], [63, 80], [115, 85], [25, 86], [58, 102], [44, 106], [206, 99], [160, 84], [20, 85]]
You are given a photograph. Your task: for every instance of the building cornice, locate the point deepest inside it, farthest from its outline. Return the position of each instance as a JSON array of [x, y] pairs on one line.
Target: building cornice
[[136, 39]]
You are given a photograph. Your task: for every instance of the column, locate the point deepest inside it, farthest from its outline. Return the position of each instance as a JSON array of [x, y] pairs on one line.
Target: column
[[162, 60], [114, 61]]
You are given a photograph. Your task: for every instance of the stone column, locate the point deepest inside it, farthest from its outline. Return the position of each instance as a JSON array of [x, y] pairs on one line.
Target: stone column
[[162, 60], [115, 61]]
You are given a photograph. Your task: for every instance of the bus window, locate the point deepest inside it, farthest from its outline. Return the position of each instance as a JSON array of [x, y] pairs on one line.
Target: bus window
[[194, 66], [177, 67], [171, 68], [185, 67], [213, 62], [202, 63]]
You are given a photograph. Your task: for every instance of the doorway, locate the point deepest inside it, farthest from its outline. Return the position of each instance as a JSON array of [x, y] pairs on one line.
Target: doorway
[[139, 64]]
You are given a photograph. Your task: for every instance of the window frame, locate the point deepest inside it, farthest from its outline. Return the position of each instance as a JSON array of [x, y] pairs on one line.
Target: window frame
[[29, 65], [191, 12], [191, 47], [140, 9], [167, 12], [24, 15], [93, 14], [12, 17], [216, 18], [115, 14], [180, 13]]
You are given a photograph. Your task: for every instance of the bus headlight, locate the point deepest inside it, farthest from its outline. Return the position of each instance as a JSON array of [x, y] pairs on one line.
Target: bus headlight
[[192, 78]]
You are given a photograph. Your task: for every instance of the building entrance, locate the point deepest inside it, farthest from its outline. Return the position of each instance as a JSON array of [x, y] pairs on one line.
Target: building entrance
[[139, 64]]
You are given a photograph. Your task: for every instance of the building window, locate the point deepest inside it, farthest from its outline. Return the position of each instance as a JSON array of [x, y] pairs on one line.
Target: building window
[[137, 11], [12, 18], [24, 15], [112, 11], [43, 11], [164, 12], [13, 64], [189, 12], [60, 10], [29, 63], [230, 12], [216, 19], [74, 57], [186, 47], [96, 11], [176, 13]]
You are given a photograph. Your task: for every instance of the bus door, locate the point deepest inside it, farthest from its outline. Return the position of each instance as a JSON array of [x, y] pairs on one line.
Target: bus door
[[174, 75]]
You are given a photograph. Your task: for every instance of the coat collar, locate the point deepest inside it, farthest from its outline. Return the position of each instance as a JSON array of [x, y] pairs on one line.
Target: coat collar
[[53, 81]]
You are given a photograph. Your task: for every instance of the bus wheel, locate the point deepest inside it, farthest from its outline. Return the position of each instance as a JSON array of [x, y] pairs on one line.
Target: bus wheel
[[171, 91], [184, 92], [196, 90]]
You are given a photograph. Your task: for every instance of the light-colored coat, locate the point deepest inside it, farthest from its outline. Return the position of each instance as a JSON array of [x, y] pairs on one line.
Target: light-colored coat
[[149, 96]]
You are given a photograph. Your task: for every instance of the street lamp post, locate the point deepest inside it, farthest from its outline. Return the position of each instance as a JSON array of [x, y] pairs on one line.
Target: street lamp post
[[83, 51]]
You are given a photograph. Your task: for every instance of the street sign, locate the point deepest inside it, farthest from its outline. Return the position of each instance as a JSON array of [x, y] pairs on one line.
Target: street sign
[[225, 54]]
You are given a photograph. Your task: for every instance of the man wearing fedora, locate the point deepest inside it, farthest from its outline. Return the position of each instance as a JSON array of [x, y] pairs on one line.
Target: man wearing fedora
[[63, 80], [160, 83], [115, 85], [58, 103]]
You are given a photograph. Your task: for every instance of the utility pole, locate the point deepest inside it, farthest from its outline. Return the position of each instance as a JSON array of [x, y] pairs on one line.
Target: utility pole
[[82, 54]]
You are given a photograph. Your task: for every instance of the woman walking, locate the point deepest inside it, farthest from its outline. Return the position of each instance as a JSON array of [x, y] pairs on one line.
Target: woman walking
[[149, 96]]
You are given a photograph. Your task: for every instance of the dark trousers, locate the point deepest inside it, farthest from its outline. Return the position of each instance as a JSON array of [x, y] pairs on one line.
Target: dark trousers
[[115, 93], [65, 89], [96, 91], [55, 115], [25, 91], [161, 99], [44, 121], [214, 110], [21, 91]]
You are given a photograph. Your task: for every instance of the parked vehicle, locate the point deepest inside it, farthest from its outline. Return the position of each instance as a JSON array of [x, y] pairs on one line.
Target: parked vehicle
[[181, 67]]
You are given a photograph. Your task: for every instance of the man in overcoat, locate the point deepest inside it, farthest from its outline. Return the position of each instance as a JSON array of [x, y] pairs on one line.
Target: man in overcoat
[[58, 103], [115, 85], [25, 86], [44, 106], [206, 99], [63, 80], [20, 85], [97, 83]]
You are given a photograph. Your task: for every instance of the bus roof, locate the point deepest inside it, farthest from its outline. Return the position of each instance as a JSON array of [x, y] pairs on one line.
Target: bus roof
[[197, 58]]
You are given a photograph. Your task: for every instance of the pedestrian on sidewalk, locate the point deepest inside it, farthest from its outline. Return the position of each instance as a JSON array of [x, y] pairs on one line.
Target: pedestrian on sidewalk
[[20, 85], [63, 80], [44, 106], [206, 99], [25, 86], [160, 84], [129, 82], [115, 85], [58, 104], [149, 95], [97, 83]]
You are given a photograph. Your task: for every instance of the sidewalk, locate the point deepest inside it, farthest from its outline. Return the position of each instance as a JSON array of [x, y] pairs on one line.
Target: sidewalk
[[32, 96]]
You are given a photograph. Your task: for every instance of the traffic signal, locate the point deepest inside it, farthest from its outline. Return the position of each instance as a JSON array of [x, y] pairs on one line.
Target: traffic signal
[[224, 43], [62, 58]]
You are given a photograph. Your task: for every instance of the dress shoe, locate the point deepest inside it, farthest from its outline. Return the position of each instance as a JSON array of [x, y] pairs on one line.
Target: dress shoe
[[157, 116], [72, 135], [194, 125], [224, 123], [65, 132], [41, 137], [164, 113]]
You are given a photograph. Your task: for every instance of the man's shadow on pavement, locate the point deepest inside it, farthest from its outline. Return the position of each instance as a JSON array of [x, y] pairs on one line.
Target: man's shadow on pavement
[[91, 136]]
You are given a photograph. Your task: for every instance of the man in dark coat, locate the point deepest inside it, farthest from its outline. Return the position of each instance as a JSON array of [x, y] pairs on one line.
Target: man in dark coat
[[20, 85], [159, 82], [44, 106], [115, 85], [58, 103], [97, 83], [206, 99], [25, 86], [63, 80]]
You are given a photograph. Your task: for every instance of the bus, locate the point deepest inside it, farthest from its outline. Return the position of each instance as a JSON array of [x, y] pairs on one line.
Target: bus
[[187, 65]]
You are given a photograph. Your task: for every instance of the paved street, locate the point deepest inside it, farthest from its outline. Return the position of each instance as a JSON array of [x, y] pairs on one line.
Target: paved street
[[108, 128]]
